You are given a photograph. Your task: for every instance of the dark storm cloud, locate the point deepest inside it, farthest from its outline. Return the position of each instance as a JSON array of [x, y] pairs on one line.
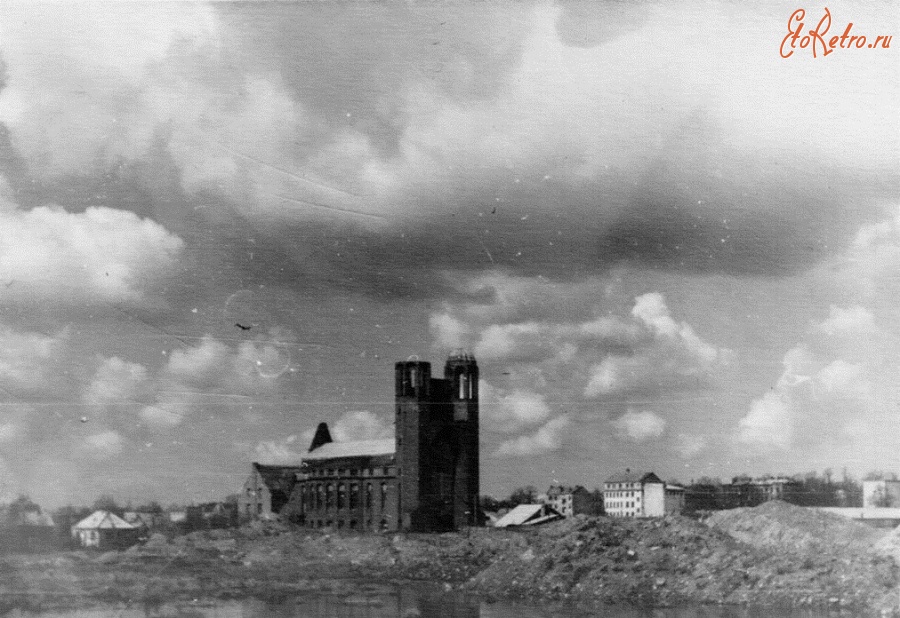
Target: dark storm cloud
[[375, 147]]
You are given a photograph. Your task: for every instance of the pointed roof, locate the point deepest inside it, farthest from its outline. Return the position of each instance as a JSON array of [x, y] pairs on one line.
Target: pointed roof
[[323, 436], [102, 520]]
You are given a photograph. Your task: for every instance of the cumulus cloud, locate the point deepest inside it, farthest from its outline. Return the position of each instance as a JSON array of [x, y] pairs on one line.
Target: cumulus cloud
[[639, 426], [27, 359], [769, 422], [689, 445], [99, 255], [549, 437], [846, 321], [116, 381], [511, 411], [210, 375], [361, 425], [829, 387], [105, 444], [279, 452]]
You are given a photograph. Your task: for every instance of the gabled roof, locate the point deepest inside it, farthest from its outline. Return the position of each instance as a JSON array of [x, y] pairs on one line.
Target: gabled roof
[[356, 448], [528, 514], [103, 520], [279, 479], [634, 477]]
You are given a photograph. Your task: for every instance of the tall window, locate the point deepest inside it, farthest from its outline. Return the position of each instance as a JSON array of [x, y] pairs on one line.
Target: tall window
[[329, 496], [383, 496], [341, 495], [368, 496], [354, 495]]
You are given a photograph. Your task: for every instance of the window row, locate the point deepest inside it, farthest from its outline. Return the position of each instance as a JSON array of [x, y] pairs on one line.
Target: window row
[[380, 471], [316, 497]]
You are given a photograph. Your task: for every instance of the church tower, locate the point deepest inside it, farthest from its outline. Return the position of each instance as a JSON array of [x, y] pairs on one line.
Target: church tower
[[461, 375], [413, 394], [437, 444]]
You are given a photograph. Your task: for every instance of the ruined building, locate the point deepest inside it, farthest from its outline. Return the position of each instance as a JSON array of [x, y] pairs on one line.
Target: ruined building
[[425, 479]]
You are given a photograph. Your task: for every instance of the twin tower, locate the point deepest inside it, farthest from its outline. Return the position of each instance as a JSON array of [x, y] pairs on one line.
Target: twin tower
[[437, 444]]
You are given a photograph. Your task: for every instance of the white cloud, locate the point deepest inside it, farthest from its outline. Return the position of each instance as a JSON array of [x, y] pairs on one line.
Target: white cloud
[[639, 426], [168, 413], [511, 411], [689, 445], [105, 444], [279, 452], [769, 422], [27, 358], [99, 255], [116, 381], [548, 438], [361, 425], [850, 321]]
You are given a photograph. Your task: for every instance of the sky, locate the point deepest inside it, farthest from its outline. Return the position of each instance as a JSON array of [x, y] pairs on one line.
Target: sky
[[668, 247]]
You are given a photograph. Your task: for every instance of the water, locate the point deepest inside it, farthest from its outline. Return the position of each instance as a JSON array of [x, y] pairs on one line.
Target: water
[[417, 601]]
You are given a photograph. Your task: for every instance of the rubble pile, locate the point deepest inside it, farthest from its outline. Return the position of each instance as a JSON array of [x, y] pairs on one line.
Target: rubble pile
[[772, 555]]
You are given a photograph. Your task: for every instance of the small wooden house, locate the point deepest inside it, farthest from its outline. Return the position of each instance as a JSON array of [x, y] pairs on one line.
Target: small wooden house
[[105, 530]]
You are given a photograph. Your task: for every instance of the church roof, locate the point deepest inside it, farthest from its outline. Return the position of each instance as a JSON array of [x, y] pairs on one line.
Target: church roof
[[355, 448]]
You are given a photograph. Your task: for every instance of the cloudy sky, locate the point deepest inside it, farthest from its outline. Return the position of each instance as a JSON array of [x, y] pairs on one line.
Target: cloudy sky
[[667, 246]]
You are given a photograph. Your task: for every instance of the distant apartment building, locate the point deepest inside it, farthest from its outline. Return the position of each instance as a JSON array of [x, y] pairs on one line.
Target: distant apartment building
[[568, 501], [881, 494], [641, 494], [747, 491]]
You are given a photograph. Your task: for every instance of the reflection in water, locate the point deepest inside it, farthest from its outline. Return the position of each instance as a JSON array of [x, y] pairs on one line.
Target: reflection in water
[[398, 602]]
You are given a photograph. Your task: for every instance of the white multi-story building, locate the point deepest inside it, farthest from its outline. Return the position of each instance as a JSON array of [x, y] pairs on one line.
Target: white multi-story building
[[640, 494]]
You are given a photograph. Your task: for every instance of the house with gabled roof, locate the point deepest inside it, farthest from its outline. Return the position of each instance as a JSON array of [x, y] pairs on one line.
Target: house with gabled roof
[[105, 530]]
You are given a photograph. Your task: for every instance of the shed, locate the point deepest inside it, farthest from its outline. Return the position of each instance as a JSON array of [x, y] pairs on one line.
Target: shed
[[105, 530], [529, 515]]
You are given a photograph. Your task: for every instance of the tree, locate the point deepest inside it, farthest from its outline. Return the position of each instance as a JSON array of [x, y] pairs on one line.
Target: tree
[[152, 507], [107, 503], [522, 495], [488, 503]]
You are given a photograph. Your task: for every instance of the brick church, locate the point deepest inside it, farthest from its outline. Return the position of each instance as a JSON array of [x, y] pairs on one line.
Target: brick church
[[425, 479]]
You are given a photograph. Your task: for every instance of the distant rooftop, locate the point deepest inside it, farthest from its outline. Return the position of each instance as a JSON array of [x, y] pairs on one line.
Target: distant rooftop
[[629, 476], [356, 448]]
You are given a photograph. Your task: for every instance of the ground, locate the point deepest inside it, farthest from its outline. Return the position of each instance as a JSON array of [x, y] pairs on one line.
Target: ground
[[772, 555]]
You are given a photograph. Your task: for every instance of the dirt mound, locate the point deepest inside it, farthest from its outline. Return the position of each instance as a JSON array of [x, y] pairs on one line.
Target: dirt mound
[[889, 545], [784, 527]]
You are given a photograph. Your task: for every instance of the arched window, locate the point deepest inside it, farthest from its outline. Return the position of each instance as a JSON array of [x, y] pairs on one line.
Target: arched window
[[354, 495], [341, 495], [368, 495], [383, 496], [329, 496]]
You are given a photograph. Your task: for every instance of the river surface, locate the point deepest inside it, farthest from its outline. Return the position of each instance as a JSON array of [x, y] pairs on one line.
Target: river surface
[[407, 601]]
